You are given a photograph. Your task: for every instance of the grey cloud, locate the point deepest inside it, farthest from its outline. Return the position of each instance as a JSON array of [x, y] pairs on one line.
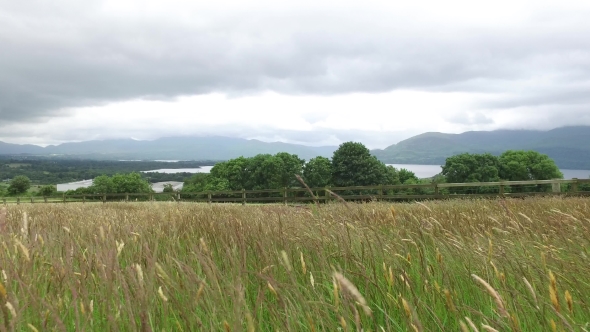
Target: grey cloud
[[71, 54], [470, 118]]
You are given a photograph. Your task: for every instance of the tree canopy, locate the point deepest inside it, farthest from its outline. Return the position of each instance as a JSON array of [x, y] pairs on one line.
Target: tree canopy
[[527, 165], [353, 165], [131, 183], [510, 166], [19, 185]]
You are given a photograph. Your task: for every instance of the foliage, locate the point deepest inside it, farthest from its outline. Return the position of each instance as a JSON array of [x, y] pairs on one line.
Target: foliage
[[527, 165], [196, 183], [400, 267], [317, 172], [468, 167], [47, 191], [54, 170], [119, 184], [19, 185], [353, 165], [168, 188]]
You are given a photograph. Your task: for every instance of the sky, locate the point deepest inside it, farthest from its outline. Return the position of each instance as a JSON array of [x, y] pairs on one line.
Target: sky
[[306, 72]]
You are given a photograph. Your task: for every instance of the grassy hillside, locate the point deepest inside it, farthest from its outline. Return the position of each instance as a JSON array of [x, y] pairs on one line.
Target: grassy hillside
[[514, 265], [567, 146]]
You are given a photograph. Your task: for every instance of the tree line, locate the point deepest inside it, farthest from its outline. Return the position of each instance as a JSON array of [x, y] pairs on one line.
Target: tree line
[[351, 165]]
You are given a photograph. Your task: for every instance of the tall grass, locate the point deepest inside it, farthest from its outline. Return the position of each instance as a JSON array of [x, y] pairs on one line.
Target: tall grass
[[470, 265]]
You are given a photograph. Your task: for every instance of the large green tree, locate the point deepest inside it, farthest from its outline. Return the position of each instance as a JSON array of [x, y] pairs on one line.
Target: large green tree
[[353, 165], [527, 165], [19, 185], [317, 172], [467, 167], [119, 184]]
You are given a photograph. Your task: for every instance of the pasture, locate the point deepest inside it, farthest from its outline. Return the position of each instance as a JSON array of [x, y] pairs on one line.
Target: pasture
[[470, 265]]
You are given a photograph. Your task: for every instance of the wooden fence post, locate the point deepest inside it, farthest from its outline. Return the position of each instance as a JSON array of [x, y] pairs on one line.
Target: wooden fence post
[[380, 197], [436, 190], [64, 198], [17, 200], [104, 198], [126, 197], [45, 199], [574, 185], [32, 201], [209, 198], [4, 200], [84, 199], [501, 190], [285, 196], [556, 187], [243, 196]]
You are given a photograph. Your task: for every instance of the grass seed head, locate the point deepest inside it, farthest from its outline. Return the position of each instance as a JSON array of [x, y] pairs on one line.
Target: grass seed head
[[494, 294], [351, 289]]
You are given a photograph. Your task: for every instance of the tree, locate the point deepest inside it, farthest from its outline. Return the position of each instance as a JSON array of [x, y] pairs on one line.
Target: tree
[[196, 183], [168, 188], [527, 165], [289, 166], [317, 173], [19, 185], [467, 167], [102, 184], [407, 177], [47, 190], [353, 165], [120, 184]]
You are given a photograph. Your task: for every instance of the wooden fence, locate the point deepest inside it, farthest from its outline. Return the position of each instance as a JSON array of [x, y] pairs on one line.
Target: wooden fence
[[578, 187]]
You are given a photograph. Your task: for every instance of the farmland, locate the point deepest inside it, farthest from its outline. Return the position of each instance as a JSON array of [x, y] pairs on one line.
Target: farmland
[[471, 265]]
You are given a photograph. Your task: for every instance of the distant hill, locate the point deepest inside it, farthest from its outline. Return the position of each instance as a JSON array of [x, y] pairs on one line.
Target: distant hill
[[171, 148], [568, 146]]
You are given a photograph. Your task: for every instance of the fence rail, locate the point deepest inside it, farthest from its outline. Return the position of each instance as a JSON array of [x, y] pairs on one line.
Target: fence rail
[[579, 187]]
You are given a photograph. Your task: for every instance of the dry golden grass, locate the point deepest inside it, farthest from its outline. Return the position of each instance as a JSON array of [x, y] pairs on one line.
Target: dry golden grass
[[471, 265]]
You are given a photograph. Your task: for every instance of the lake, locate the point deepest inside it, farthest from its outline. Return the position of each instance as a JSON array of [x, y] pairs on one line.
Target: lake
[[421, 171]]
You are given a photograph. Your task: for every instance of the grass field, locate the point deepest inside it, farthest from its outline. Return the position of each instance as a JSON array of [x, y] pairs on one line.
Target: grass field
[[471, 265]]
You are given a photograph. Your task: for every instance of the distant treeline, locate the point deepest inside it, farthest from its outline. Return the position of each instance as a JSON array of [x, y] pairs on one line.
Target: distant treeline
[[53, 171]]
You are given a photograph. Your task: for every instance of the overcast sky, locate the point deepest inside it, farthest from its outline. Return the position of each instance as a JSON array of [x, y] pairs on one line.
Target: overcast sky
[[311, 72]]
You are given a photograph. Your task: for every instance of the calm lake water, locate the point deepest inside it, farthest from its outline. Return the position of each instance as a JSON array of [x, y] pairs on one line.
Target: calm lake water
[[421, 171]]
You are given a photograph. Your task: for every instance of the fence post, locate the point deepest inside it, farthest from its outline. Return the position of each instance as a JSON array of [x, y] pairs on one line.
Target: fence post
[[17, 200], [83, 198], [104, 198], [64, 197], [285, 195], [126, 197], [243, 196], [436, 190], [501, 190], [4, 200], [556, 187], [209, 198], [326, 194], [380, 197], [575, 185], [45, 199], [32, 201]]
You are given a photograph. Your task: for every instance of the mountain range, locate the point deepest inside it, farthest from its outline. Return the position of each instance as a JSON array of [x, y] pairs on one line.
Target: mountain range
[[169, 148], [568, 146]]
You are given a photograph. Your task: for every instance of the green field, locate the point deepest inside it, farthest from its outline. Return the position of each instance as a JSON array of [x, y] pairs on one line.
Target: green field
[[471, 265]]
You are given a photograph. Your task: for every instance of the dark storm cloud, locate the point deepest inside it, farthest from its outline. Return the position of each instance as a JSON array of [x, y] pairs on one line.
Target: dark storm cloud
[[64, 54]]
